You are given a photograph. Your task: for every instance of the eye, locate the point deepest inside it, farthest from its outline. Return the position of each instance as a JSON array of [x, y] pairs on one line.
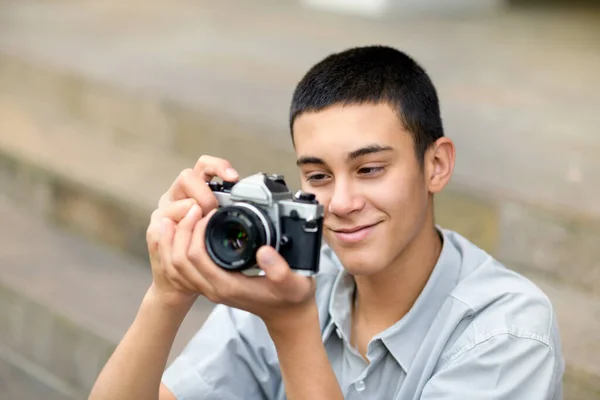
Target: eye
[[317, 178], [371, 171]]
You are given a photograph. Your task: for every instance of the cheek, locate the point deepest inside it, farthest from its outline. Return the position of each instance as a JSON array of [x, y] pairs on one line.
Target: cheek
[[401, 196]]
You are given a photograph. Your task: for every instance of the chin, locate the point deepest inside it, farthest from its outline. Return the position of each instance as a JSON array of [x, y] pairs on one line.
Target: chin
[[360, 261]]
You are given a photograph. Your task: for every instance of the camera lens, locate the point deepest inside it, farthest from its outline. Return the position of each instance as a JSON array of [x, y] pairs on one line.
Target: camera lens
[[235, 233], [235, 237]]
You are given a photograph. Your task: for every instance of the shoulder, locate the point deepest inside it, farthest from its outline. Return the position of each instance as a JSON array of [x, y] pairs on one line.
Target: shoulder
[[498, 302]]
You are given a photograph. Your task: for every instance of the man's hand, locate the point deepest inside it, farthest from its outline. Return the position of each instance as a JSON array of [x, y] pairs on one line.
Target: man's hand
[[277, 297], [284, 300], [182, 269], [189, 189]]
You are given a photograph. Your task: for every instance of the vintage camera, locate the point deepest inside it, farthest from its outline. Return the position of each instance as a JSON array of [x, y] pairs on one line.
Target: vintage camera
[[260, 210]]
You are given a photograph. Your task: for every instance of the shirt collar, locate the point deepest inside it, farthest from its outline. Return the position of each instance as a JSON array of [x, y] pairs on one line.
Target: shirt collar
[[404, 338], [340, 305]]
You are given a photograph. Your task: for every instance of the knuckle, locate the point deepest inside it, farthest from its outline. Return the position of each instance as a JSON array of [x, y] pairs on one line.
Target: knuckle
[[206, 161], [163, 199], [172, 274], [178, 260], [152, 233], [208, 203], [279, 276], [151, 237], [227, 290], [155, 218], [156, 214], [193, 254], [222, 293], [186, 175], [211, 295], [198, 257]]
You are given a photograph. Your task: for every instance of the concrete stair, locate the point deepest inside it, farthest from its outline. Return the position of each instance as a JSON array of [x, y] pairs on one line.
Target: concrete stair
[[99, 113], [66, 302]]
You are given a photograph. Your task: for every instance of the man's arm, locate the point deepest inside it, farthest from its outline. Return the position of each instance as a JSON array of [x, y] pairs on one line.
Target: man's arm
[[134, 370], [504, 367], [305, 367]]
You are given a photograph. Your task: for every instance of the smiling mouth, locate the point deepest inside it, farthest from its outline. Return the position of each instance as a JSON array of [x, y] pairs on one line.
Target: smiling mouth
[[355, 234], [353, 230]]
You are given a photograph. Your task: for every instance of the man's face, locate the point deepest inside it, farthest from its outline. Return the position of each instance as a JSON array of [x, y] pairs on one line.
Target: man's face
[[361, 164]]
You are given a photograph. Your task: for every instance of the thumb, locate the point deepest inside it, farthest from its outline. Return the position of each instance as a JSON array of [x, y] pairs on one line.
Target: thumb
[[289, 285], [275, 267]]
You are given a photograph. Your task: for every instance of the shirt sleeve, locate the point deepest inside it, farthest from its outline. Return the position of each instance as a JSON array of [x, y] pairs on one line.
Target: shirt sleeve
[[502, 367], [230, 357]]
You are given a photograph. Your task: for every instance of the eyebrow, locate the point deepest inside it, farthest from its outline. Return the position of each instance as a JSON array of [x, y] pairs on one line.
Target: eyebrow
[[363, 151]]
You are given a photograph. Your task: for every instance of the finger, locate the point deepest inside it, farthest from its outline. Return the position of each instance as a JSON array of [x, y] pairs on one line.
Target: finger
[[225, 286], [206, 168], [177, 210], [198, 255], [283, 280], [189, 185], [181, 244], [209, 167], [174, 211], [165, 250]]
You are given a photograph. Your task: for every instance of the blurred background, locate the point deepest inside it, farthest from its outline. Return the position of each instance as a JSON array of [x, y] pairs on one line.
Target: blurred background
[[102, 103]]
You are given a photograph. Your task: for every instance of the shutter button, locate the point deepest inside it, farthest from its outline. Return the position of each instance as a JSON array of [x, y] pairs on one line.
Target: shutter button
[[360, 386]]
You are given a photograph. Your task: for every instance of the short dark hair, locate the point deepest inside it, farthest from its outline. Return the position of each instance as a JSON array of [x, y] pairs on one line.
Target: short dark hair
[[374, 74]]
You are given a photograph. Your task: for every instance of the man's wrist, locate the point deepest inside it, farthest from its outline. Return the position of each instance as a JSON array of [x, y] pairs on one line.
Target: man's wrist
[[294, 320], [166, 302]]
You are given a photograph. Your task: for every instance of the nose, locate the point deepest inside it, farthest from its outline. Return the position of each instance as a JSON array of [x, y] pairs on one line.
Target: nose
[[345, 199]]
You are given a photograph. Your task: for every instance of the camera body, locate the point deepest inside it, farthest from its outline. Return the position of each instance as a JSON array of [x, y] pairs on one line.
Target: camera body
[[260, 210]]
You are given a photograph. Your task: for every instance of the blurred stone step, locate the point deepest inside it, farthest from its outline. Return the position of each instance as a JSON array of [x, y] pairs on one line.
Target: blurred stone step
[[69, 174], [64, 306], [175, 74], [65, 303], [23, 380], [142, 116], [152, 93], [73, 176]]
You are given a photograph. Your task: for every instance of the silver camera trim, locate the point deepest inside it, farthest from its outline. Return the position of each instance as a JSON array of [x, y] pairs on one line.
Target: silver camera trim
[[262, 218], [252, 192]]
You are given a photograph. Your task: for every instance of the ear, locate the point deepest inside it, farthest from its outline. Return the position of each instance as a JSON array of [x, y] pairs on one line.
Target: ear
[[439, 164]]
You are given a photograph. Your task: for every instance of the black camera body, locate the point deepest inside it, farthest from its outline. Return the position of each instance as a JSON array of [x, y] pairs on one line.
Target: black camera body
[[260, 210]]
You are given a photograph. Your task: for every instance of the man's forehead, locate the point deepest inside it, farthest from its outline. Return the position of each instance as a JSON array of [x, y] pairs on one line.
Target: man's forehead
[[347, 132], [346, 114], [350, 155]]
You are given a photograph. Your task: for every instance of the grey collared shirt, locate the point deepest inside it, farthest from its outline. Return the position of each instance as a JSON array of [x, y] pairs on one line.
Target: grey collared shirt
[[477, 331]]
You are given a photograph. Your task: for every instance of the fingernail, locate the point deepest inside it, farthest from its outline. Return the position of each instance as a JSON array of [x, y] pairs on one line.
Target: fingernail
[[230, 172], [193, 210], [266, 257]]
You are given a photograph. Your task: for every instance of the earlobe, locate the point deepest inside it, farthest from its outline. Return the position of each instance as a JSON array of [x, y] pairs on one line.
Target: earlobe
[[442, 160]]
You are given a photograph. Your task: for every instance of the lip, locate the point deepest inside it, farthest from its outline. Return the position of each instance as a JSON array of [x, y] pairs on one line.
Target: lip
[[354, 234]]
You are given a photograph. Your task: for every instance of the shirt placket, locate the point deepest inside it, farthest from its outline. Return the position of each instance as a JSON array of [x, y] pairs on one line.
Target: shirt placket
[[360, 388]]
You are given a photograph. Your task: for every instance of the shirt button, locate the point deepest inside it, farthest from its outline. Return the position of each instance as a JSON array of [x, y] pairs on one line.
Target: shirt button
[[360, 386]]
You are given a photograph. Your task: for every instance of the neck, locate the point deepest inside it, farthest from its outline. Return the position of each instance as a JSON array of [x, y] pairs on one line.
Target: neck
[[384, 298]]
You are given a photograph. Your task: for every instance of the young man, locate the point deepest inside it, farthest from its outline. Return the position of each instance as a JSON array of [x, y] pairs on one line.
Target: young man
[[401, 308]]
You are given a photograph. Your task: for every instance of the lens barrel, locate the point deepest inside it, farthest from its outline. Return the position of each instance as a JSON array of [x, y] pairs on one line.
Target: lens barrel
[[235, 233]]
